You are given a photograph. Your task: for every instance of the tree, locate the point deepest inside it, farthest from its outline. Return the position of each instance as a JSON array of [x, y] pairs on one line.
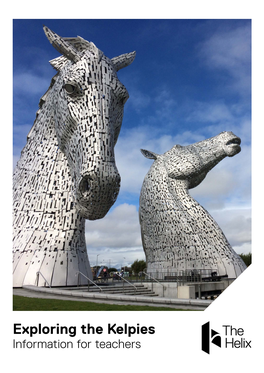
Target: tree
[[138, 266], [246, 258], [112, 269]]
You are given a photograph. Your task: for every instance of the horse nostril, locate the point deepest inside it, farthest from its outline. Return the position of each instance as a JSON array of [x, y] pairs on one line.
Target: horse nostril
[[95, 187], [85, 185], [117, 180]]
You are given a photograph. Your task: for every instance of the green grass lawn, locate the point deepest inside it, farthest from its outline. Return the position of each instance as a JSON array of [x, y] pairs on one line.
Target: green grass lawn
[[38, 304]]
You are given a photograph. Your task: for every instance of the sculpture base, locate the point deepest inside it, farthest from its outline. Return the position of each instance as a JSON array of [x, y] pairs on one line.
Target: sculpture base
[[51, 268]]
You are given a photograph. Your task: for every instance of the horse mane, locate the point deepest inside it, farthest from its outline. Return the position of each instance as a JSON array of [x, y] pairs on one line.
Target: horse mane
[[43, 98], [42, 101], [58, 63]]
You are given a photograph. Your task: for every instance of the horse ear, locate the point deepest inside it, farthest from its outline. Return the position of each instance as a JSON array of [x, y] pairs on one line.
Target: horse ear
[[148, 154], [62, 45], [123, 60], [59, 62]]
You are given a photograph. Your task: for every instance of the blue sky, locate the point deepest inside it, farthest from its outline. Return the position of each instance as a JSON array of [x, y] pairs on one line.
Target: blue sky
[[191, 80]]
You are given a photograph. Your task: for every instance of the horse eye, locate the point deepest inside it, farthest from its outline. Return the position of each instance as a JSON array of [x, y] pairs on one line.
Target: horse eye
[[69, 88]]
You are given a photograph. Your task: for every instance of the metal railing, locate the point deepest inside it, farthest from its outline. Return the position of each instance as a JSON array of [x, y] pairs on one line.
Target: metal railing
[[163, 286], [89, 280], [124, 280], [183, 276], [39, 273]]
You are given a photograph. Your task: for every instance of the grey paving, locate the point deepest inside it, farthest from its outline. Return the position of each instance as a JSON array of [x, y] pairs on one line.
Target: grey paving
[[56, 293]]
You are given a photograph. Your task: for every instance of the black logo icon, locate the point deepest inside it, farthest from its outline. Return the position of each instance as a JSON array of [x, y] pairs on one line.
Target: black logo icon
[[209, 336]]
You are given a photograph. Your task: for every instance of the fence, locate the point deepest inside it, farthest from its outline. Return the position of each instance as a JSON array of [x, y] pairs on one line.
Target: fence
[[183, 276]]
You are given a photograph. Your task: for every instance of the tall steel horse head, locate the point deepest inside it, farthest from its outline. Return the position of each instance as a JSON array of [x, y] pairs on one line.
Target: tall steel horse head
[[67, 171], [88, 102]]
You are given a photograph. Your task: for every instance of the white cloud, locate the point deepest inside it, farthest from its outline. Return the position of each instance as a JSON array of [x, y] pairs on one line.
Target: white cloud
[[118, 229], [116, 258], [213, 112], [21, 131], [217, 116], [138, 100], [228, 183], [245, 248], [115, 238], [29, 83], [230, 51], [236, 224]]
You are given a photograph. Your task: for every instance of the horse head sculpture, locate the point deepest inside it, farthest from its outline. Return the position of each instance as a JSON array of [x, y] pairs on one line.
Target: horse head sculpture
[[88, 101], [193, 162], [178, 234], [67, 171]]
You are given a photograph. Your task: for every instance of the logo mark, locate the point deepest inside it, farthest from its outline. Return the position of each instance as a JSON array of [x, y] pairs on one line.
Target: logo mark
[[209, 336]]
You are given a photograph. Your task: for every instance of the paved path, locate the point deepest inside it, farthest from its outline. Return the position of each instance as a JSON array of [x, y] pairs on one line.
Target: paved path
[[56, 293]]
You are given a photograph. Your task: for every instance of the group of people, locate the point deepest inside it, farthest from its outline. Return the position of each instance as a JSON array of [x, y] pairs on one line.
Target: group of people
[[104, 275], [118, 275]]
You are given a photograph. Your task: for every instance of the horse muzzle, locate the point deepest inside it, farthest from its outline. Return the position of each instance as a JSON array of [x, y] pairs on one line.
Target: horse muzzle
[[232, 145], [97, 192]]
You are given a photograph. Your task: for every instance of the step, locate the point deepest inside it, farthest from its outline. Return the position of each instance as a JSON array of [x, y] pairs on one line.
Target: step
[[118, 289], [143, 291], [121, 289], [149, 294], [107, 288], [132, 291]]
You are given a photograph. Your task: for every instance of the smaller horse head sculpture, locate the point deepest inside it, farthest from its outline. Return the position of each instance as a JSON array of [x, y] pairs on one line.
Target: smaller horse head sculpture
[[177, 233], [87, 102], [193, 162]]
